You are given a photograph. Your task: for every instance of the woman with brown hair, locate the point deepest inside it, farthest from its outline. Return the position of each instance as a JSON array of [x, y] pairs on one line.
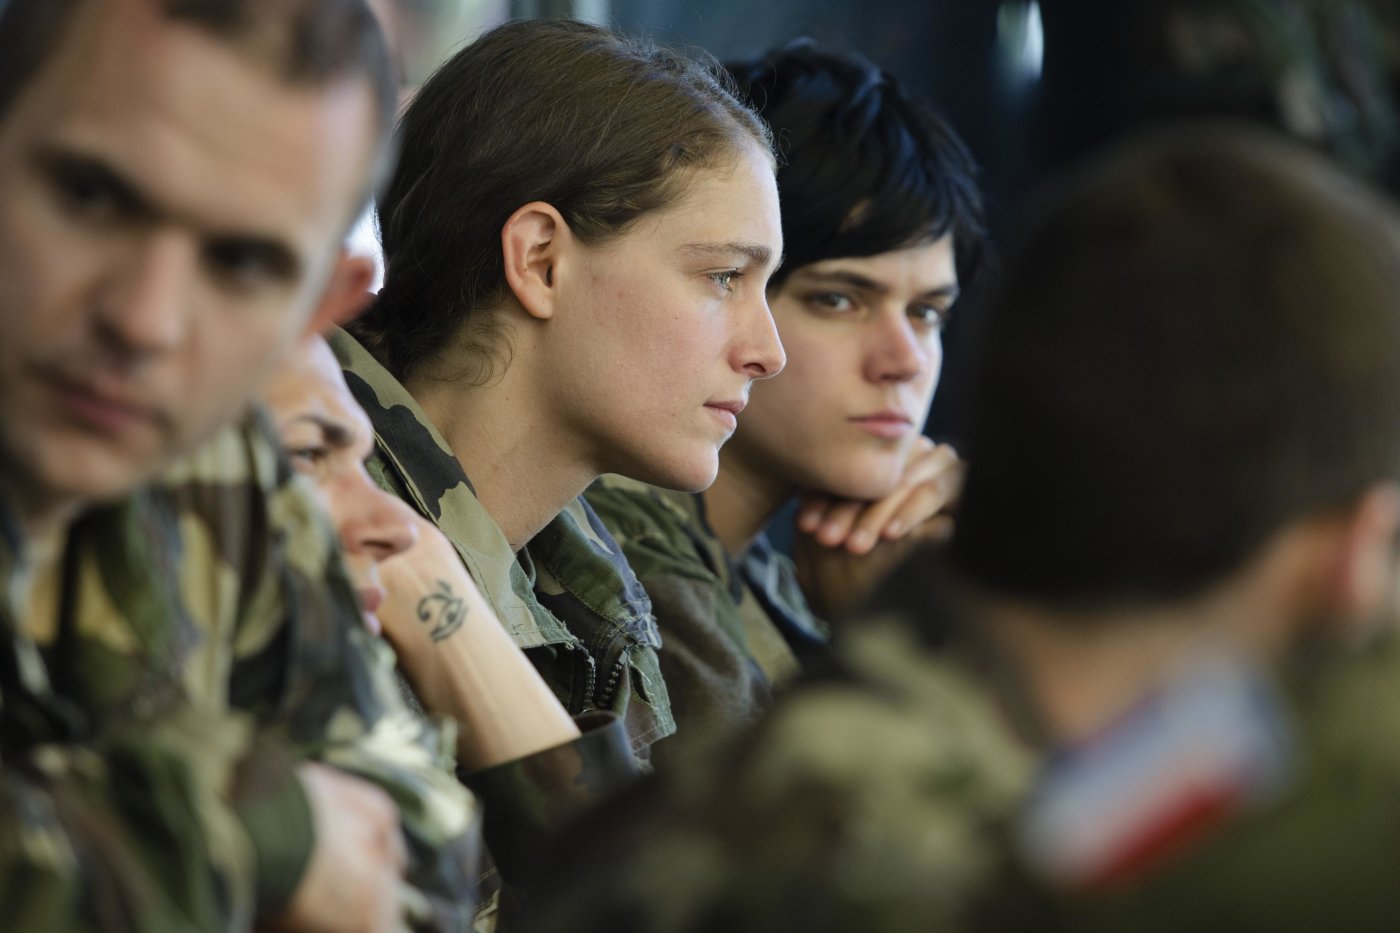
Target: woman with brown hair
[[578, 236]]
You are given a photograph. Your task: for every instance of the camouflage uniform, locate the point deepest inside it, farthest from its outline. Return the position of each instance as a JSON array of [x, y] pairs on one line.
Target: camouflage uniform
[[733, 629], [870, 798], [568, 598], [898, 792], [207, 640]]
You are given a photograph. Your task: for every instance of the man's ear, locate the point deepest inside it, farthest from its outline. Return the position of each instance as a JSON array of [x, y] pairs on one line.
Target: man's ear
[[1363, 564], [532, 243], [346, 295]]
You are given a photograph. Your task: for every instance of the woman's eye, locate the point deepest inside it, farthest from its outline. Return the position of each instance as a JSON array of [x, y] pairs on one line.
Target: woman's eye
[[308, 459], [725, 279], [929, 316], [832, 301]]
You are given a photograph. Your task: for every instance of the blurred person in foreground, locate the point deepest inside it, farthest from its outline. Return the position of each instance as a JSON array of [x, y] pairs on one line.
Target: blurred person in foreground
[[1130, 696], [881, 218], [182, 655]]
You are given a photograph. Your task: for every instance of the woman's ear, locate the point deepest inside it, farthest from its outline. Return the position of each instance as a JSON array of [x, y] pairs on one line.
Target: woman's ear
[[532, 241]]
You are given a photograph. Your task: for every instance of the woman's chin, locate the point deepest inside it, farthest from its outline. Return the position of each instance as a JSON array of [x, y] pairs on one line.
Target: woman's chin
[[692, 474], [863, 479]]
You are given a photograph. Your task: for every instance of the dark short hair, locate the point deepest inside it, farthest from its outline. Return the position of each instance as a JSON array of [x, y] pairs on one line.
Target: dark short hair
[[865, 168], [1196, 344], [306, 42], [604, 128]]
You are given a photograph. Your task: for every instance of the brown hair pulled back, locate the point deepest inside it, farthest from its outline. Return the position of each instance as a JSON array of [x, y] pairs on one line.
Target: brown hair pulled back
[[602, 127]]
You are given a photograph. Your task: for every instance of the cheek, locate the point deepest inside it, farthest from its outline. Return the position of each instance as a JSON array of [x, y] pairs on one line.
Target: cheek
[[820, 373], [793, 408], [39, 291], [339, 497], [230, 353], [928, 382]]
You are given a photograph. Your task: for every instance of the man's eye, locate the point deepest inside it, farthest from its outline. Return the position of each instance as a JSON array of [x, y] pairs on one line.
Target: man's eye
[[246, 265], [90, 195]]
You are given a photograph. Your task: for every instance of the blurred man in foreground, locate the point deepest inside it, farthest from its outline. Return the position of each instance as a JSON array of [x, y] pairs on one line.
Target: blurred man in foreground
[[178, 636]]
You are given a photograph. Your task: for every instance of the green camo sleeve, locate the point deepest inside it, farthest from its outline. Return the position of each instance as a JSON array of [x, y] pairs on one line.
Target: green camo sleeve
[[134, 831], [274, 810]]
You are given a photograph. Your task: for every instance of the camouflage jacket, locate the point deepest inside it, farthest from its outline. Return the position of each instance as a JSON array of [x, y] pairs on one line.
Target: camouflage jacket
[[568, 598], [732, 629], [207, 640], [911, 788], [871, 797]]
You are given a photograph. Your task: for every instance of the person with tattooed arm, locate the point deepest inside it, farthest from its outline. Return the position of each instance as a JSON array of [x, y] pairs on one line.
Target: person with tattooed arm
[[514, 737]]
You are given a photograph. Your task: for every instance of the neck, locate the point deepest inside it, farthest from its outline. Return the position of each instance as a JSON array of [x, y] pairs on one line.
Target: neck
[[1082, 671], [41, 516], [507, 443], [742, 500], [32, 582]]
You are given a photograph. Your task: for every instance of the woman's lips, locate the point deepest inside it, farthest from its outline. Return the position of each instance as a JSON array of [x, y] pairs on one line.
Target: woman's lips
[[888, 425], [726, 412], [371, 598]]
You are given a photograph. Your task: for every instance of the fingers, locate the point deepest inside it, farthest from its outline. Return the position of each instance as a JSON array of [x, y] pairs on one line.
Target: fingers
[[931, 484], [812, 508], [387, 857], [836, 524], [353, 878], [921, 503], [927, 461]]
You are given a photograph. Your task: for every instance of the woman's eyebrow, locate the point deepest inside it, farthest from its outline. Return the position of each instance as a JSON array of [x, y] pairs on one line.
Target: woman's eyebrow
[[755, 253], [334, 433], [864, 283]]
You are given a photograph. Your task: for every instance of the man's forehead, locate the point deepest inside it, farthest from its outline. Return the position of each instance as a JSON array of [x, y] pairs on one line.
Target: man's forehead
[[199, 122]]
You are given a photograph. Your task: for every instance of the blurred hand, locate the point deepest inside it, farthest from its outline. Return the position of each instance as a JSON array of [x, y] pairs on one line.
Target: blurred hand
[[352, 882], [846, 547]]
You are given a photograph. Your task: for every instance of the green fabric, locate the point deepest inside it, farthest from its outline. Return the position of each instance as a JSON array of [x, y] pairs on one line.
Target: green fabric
[[1321, 857], [867, 800], [724, 623], [889, 795], [210, 640], [280, 826], [527, 800]]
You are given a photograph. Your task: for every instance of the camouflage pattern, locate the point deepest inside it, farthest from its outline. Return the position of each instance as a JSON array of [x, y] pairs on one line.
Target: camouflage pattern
[[529, 800], [870, 798], [893, 794], [568, 598], [732, 630], [207, 640]]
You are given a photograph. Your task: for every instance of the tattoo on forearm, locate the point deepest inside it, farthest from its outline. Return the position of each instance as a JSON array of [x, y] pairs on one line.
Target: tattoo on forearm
[[443, 610]]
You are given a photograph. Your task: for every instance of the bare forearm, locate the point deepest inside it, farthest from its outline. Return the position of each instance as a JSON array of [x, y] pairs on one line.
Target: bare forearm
[[472, 671]]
